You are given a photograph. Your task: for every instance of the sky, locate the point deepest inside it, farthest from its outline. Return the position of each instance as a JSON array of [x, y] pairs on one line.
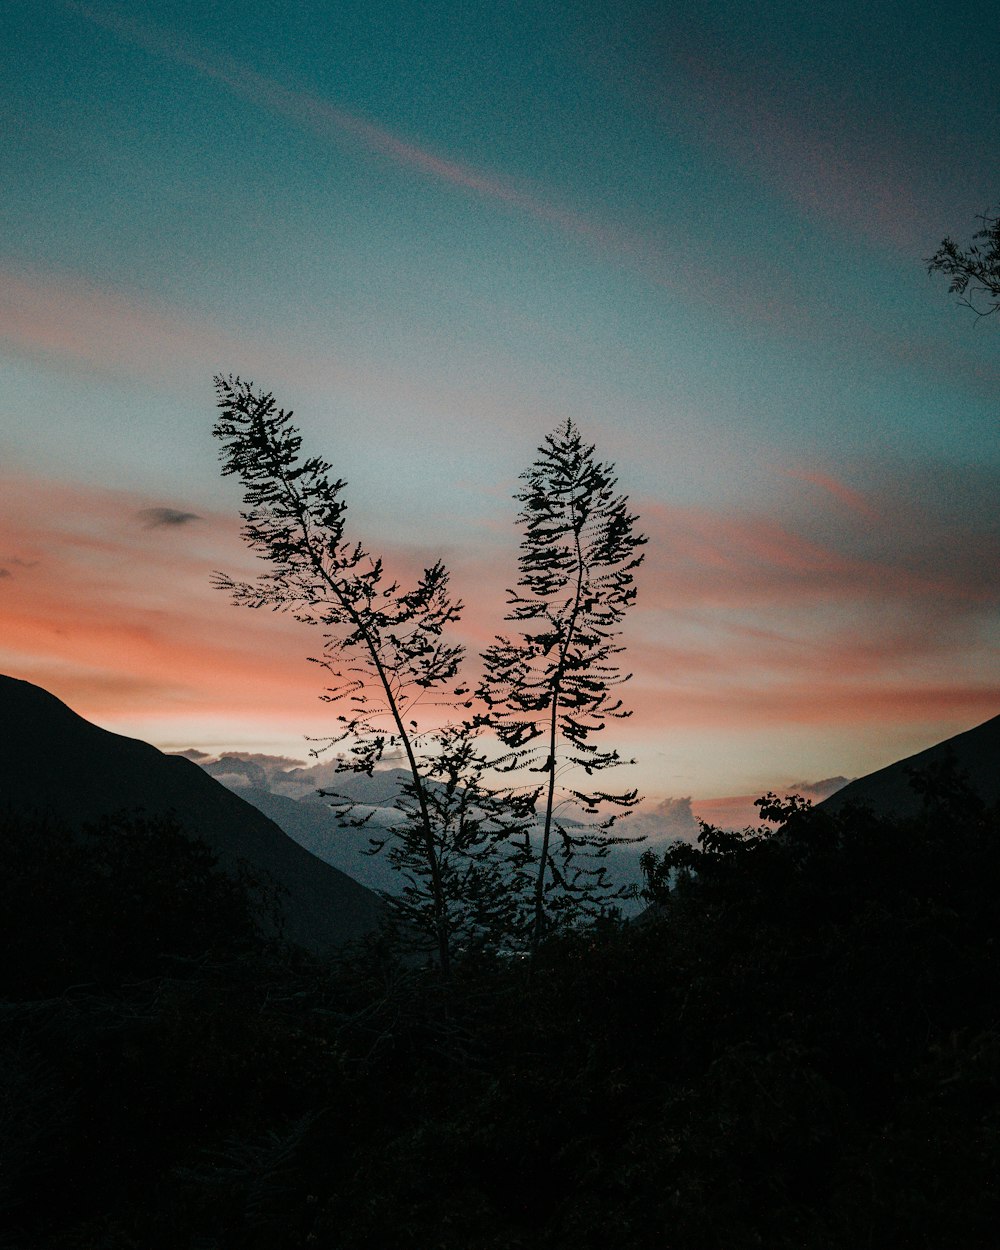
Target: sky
[[436, 231]]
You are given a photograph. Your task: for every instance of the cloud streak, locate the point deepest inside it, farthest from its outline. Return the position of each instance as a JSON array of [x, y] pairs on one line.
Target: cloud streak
[[126, 625], [668, 266], [736, 113], [165, 518], [751, 560], [329, 120], [88, 327], [78, 321], [845, 494], [745, 618], [826, 162]]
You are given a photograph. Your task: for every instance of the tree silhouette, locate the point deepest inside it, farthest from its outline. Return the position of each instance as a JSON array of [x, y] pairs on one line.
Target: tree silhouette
[[383, 646], [551, 689], [975, 271]]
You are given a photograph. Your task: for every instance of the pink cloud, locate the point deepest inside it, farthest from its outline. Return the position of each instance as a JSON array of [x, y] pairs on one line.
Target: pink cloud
[[669, 266], [846, 494], [327, 119], [741, 626], [742, 618], [832, 165], [80, 322], [87, 326], [710, 557], [809, 703]]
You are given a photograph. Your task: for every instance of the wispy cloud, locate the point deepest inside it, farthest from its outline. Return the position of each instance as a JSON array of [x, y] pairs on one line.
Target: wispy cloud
[[125, 622], [826, 163], [86, 326], [752, 560], [839, 490], [160, 518], [806, 621], [766, 131], [325, 118], [670, 265], [72, 319]]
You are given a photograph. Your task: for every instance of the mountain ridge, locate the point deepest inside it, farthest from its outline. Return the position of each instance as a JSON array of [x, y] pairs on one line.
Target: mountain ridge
[[101, 773], [975, 751]]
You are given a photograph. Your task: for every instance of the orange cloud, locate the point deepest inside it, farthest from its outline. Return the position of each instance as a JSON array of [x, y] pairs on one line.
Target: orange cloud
[[119, 618], [759, 631], [123, 613]]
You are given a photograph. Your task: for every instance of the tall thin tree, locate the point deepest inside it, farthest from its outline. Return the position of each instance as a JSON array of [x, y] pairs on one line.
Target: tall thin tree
[[552, 688], [383, 645]]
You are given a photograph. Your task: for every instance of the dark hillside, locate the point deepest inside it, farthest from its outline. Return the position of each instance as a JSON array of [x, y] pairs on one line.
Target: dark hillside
[[53, 762], [976, 753], [313, 823], [799, 1050]]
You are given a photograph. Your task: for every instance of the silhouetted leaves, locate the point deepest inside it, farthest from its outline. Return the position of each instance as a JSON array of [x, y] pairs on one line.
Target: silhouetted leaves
[[385, 651], [799, 1049], [975, 271], [550, 689]]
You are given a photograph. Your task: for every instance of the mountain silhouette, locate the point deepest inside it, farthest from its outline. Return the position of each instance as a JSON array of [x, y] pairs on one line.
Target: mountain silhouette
[[313, 824], [976, 753], [53, 762]]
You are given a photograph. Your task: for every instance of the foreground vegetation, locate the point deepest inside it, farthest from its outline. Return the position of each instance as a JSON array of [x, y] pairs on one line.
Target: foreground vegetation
[[799, 1047]]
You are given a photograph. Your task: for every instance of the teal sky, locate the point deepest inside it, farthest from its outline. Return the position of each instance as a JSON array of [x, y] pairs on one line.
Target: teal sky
[[437, 230]]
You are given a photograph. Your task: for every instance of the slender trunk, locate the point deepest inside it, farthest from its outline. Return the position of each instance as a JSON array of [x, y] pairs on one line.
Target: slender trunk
[[437, 887], [543, 859], [425, 816]]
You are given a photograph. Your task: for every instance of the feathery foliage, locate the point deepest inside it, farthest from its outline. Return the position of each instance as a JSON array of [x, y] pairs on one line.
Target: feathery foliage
[[977, 269], [385, 651], [549, 690]]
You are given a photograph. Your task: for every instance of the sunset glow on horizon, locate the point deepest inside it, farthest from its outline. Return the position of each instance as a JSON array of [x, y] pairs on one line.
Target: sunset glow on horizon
[[437, 232]]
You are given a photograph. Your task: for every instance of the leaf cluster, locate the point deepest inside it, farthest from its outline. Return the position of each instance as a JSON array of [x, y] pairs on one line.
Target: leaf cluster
[[383, 644], [576, 581], [462, 841], [975, 270], [549, 690], [479, 831]]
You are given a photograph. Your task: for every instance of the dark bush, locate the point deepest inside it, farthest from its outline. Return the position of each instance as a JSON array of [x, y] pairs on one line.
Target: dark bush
[[799, 1048]]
